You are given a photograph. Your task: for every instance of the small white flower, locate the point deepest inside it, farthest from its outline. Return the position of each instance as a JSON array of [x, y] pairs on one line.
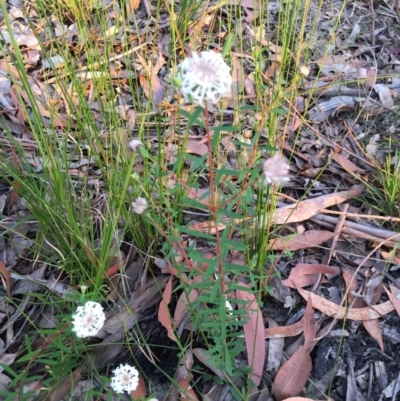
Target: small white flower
[[126, 378], [204, 77], [304, 71], [134, 144], [88, 319], [275, 170], [84, 288], [139, 205]]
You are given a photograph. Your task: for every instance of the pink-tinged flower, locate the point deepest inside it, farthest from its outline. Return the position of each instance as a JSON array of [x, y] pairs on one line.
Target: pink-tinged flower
[[88, 319], [205, 77], [139, 205], [126, 378], [276, 169], [134, 144]]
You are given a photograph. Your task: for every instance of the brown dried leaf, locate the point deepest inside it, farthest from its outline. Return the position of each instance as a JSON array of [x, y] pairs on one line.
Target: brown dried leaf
[[306, 209], [267, 43], [187, 392], [385, 95], [272, 71], [33, 388], [152, 88], [390, 257], [249, 86], [288, 214], [293, 375], [134, 4], [373, 289], [339, 312], [375, 331], [7, 360], [372, 326], [347, 164], [309, 327], [308, 239], [305, 274], [275, 350], [284, 331], [201, 355], [6, 275], [140, 391], [329, 60], [352, 287], [238, 76], [66, 386], [163, 313], [185, 366], [254, 334], [395, 300], [371, 78], [194, 146]]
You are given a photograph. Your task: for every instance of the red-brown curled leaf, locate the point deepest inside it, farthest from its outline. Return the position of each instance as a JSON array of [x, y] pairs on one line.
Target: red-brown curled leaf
[[284, 331], [352, 287], [309, 327], [152, 88], [308, 239], [187, 391], [140, 391], [164, 316], [305, 274], [340, 312], [6, 274], [293, 375], [394, 299], [375, 331], [347, 164], [254, 334]]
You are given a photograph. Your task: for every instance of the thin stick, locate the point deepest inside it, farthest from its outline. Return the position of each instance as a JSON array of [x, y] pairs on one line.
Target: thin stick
[[363, 216]]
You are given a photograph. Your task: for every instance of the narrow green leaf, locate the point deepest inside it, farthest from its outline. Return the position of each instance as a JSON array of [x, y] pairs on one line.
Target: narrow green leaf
[[193, 117], [228, 44], [279, 111]]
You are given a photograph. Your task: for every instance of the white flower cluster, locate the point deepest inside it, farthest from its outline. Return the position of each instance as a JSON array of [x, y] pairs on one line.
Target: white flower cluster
[[134, 144], [139, 205], [126, 378], [88, 319], [205, 77], [276, 169]]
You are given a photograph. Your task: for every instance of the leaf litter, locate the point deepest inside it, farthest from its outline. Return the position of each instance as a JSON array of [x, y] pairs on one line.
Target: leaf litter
[[345, 91]]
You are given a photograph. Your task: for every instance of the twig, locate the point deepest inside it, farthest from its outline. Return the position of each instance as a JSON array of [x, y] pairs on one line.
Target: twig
[[339, 226], [368, 229], [328, 256], [354, 233], [370, 379], [362, 263], [371, 4], [363, 216]]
